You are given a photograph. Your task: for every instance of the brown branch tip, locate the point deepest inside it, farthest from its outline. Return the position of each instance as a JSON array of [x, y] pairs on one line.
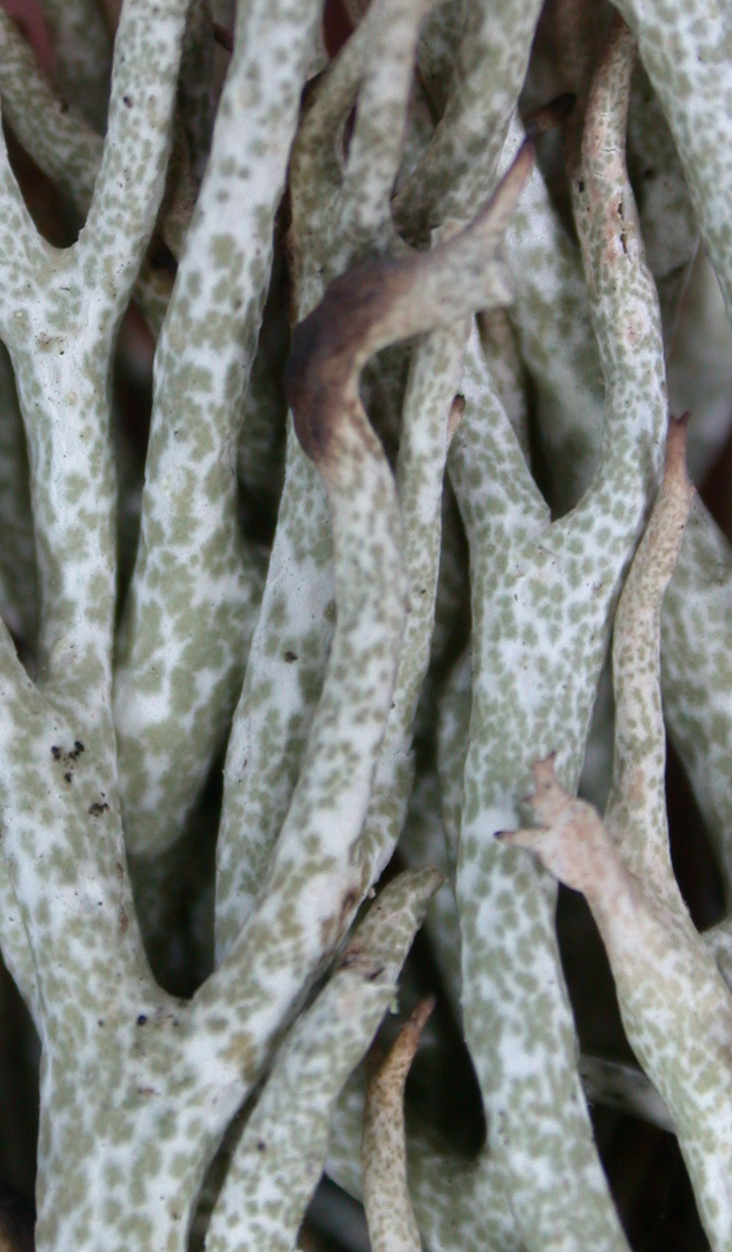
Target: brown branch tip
[[676, 441], [394, 1067], [570, 841]]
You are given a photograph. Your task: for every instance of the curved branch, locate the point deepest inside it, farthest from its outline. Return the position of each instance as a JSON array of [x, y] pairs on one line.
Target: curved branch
[[389, 1213], [317, 878]]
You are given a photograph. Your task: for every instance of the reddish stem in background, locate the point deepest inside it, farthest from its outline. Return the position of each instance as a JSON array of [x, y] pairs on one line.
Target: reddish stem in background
[[336, 26], [28, 16]]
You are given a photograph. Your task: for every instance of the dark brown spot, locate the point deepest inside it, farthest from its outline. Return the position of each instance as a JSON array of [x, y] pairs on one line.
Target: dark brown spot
[[348, 904], [290, 657], [352, 957], [223, 37]]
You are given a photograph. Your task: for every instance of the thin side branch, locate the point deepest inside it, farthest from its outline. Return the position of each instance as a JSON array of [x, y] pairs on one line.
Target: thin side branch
[[391, 1220]]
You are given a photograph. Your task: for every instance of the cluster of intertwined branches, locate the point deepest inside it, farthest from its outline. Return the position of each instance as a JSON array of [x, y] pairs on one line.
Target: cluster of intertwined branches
[[376, 586]]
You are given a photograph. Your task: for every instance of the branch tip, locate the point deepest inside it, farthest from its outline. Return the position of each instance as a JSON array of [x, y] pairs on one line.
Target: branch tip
[[676, 441], [570, 840], [389, 1072]]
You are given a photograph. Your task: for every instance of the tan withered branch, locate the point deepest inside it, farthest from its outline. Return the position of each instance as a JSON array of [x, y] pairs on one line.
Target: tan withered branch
[[391, 1220], [571, 841]]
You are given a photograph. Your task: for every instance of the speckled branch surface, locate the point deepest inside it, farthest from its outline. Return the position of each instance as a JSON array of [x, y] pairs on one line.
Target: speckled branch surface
[[676, 1007], [322, 637]]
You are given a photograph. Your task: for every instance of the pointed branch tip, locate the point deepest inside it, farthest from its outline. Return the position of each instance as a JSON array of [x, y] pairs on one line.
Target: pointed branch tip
[[396, 1064], [675, 470]]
